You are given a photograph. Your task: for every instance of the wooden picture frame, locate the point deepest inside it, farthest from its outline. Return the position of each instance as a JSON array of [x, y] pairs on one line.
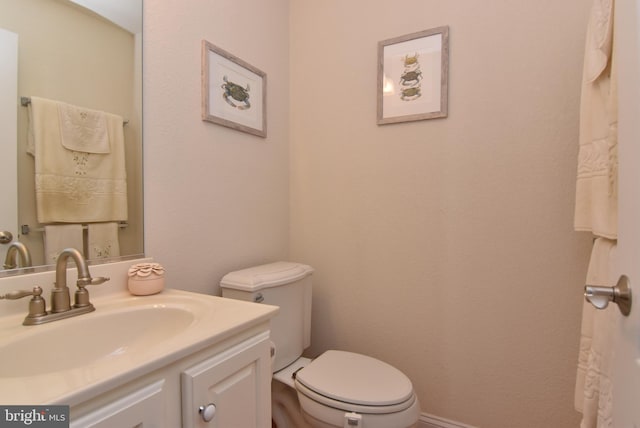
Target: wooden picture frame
[[413, 82], [234, 93]]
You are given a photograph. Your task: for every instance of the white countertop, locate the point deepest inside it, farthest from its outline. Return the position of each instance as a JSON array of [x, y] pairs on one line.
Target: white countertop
[[214, 320]]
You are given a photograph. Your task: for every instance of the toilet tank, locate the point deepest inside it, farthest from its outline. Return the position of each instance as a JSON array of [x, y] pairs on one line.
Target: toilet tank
[[283, 284]]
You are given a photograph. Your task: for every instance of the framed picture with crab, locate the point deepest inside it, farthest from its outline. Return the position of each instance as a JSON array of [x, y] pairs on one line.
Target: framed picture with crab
[[234, 93], [413, 82]]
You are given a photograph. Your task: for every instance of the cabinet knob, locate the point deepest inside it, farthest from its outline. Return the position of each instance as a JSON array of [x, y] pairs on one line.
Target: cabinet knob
[[207, 412]]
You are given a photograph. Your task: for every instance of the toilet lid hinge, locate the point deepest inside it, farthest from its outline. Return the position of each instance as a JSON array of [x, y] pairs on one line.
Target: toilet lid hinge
[[294, 374]]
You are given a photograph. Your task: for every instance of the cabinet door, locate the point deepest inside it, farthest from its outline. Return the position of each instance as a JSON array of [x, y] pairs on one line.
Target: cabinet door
[[143, 408], [233, 387]]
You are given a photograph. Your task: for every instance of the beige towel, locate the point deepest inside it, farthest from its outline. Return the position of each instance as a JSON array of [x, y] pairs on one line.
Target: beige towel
[[102, 240], [83, 130], [76, 186], [596, 207], [593, 394], [59, 237], [596, 211]]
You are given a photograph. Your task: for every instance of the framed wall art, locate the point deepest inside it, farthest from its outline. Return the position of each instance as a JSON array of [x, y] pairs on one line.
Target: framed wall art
[[234, 93], [413, 76]]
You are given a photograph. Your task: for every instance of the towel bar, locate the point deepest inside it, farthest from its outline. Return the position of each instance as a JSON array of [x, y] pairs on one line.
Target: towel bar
[[25, 229], [25, 101]]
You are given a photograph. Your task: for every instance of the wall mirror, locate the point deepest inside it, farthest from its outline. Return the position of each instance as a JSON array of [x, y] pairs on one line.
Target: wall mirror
[[85, 53]]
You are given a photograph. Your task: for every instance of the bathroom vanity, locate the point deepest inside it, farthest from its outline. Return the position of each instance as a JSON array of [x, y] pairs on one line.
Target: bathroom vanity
[[227, 383], [167, 360]]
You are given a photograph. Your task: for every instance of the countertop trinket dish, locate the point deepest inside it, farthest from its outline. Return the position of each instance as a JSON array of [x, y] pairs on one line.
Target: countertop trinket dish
[[145, 279]]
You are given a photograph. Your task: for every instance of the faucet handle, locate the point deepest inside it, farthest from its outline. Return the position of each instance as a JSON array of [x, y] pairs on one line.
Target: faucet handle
[[37, 305], [99, 280], [83, 282], [19, 294], [82, 295]]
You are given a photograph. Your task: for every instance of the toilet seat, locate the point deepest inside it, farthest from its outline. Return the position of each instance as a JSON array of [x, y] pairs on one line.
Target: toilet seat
[[355, 383]]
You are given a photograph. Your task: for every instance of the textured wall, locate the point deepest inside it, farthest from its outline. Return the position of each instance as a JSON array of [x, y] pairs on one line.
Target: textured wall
[[215, 199], [445, 247]]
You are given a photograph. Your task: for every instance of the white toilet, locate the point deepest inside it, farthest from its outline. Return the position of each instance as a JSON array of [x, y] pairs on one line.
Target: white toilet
[[336, 389]]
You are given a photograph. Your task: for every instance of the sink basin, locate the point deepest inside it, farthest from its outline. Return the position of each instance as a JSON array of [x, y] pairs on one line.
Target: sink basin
[[101, 335], [127, 338], [71, 360]]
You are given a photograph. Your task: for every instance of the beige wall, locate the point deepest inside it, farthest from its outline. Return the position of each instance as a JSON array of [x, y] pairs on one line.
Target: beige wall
[[215, 199], [69, 55], [445, 247]]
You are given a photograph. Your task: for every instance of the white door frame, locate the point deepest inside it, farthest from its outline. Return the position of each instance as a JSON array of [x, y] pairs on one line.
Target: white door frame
[[8, 135]]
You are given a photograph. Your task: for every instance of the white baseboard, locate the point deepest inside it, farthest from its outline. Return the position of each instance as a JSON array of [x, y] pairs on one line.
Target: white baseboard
[[431, 421]]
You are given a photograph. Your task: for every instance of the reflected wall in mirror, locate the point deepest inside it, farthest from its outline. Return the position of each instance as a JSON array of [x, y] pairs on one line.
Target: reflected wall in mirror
[[71, 54]]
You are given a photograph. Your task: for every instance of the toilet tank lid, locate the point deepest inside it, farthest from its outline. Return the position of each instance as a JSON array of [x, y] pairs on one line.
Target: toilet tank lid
[[265, 276]]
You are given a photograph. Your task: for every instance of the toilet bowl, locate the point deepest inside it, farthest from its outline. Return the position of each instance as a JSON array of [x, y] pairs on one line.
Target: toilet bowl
[[342, 388], [336, 389]]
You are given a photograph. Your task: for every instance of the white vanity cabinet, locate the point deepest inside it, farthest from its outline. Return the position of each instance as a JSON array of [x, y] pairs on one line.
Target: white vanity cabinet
[[138, 409], [140, 361], [228, 389], [230, 380]]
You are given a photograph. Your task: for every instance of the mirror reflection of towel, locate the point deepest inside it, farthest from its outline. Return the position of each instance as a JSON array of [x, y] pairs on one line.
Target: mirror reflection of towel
[[83, 130], [59, 237], [75, 186], [102, 240]]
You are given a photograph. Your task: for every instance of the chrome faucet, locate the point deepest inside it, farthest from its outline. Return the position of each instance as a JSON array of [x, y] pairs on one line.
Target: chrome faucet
[[60, 299], [17, 249]]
